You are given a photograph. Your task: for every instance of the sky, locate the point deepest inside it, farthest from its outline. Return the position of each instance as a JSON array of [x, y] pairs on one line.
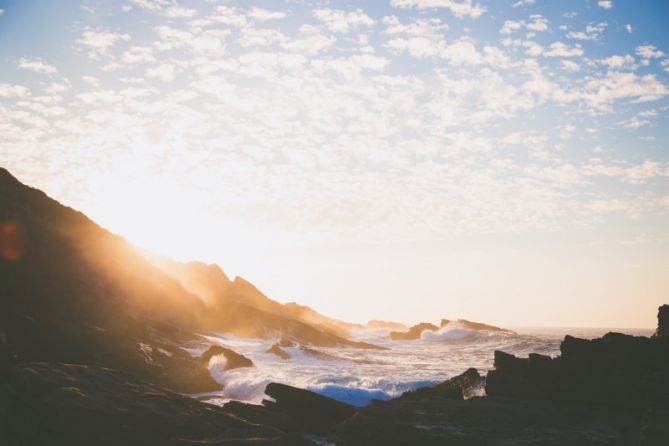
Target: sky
[[409, 160]]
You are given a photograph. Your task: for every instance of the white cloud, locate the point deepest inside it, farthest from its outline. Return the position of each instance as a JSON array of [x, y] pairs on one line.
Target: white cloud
[[537, 23], [339, 21], [98, 40], [163, 72], [138, 54], [2, 11], [523, 3], [179, 12], [559, 49], [628, 27], [13, 91], [570, 65], [459, 8], [311, 41], [592, 32], [605, 4], [37, 66], [616, 85], [264, 15], [422, 38], [462, 52], [618, 62], [649, 52]]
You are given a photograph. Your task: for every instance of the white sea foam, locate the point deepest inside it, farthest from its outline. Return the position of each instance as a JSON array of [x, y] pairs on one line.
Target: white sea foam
[[357, 376]]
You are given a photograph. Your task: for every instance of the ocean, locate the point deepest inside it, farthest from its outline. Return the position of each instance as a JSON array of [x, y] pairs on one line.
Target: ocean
[[357, 376]]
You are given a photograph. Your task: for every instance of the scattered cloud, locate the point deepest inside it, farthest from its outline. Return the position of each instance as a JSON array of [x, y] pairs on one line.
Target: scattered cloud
[[592, 32], [99, 41], [536, 23], [649, 52], [38, 66], [339, 21], [605, 4], [264, 15], [570, 65], [559, 49], [459, 8]]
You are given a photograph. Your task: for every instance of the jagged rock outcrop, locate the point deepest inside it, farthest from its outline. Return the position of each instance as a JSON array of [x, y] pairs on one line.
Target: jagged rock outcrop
[[662, 331], [478, 326], [459, 387], [385, 325], [616, 369], [413, 332], [233, 359]]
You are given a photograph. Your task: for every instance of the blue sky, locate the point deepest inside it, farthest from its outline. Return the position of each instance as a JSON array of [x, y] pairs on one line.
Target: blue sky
[[503, 161]]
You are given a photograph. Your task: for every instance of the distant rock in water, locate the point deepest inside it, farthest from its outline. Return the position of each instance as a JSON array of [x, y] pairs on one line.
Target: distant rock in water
[[416, 331], [477, 326], [278, 351], [385, 325], [233, 359], [413, 332]]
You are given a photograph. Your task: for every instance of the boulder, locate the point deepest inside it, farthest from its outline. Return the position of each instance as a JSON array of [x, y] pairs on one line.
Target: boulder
[[307, 407], [458, 388]]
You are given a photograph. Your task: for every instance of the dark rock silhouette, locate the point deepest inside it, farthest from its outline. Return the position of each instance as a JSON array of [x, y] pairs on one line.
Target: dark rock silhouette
[[79, 294], [413, 332], [307, 407], [662, 322], [233, 359], [458, 387], [74, 292], [586, 370], [64, 404]]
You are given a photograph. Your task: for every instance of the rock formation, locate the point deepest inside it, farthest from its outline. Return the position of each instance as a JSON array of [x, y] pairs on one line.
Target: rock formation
[[413, 332], [233, 359]]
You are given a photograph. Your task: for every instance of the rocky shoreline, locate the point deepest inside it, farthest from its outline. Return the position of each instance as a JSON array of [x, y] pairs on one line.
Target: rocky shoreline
[[608, 391]]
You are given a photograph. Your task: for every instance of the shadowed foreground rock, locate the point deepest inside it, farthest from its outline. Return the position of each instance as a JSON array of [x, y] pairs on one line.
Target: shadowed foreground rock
[[62, 404]]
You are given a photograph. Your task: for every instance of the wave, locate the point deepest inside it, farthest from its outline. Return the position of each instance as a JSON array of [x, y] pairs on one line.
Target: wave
[[357, 376]]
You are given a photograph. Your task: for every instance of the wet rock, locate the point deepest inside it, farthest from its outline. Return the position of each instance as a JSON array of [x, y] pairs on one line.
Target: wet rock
[[233, 359], [278, 351], [458, 387], [64, 404], [308, 407], [413, 333]]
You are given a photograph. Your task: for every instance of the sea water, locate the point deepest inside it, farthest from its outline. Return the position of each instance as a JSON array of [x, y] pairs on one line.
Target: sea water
[[357, 376]]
